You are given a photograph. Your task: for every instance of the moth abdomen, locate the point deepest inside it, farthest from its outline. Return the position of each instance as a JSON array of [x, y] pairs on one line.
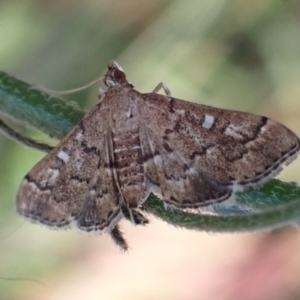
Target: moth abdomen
[[129, 163]]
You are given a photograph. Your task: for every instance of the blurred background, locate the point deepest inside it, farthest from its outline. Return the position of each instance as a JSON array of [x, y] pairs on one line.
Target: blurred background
[[235, 54]]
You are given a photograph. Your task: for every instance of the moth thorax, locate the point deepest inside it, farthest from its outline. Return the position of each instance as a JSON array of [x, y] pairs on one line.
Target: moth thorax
[[128, 161]]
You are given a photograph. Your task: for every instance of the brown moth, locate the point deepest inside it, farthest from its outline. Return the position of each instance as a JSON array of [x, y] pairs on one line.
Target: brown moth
[[131, 144]]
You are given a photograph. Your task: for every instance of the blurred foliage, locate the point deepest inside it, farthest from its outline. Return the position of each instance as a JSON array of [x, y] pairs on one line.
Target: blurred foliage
[[234, 54]]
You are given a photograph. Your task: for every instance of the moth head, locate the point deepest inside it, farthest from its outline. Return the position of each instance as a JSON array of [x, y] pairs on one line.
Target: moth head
[[115, 76]]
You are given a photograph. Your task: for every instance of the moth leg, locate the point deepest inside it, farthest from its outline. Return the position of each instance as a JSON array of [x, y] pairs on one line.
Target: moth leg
[[10, 133], [118, 238], [161, 85], [134, 216], [101, 94], [138, 218]]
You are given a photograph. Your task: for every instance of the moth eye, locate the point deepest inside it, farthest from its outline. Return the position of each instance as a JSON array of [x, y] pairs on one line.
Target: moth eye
[[119, 76]]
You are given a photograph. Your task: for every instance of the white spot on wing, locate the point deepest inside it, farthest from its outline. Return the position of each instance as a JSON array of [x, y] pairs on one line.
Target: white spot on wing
[[120, 150], [180, 112], [208, 121], [136, 147], [158, 160], [232, 131], [79, 136], [263, 129], [128, 114], [53, 173], [63, 156]]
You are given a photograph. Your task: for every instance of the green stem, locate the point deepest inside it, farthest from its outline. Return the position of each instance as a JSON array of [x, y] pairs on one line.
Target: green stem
[[53, 116], [275, 217], [26, 104]]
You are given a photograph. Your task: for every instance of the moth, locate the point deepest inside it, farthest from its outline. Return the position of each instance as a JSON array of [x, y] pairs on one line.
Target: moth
[[131, 144]]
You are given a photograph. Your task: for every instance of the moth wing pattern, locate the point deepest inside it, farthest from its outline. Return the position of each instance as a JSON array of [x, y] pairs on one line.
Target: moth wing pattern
[[228, 150], [179, 182], [74, 183]]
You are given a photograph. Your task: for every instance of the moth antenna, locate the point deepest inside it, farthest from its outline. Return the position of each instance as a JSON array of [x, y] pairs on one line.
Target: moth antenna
[[67, 92], [17, 137]]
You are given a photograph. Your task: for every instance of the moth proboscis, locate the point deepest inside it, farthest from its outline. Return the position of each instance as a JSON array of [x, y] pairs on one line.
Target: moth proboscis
[[131, 144]]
